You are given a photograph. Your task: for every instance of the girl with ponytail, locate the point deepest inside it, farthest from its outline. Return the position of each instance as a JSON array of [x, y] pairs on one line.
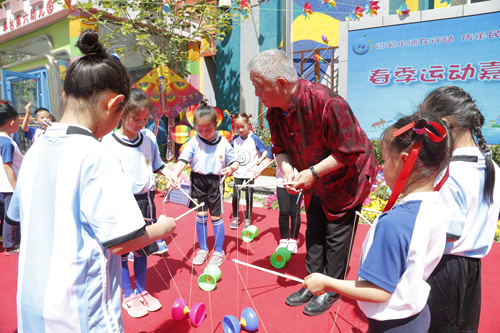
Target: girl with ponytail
[[472, 194]]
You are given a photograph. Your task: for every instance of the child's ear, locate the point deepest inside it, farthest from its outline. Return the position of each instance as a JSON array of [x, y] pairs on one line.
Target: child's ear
[[404, 157], [115, 103]]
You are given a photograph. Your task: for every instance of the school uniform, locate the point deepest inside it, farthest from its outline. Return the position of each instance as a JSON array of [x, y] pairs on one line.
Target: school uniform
[[140, 160], [10, 153], [400, 251], [207, 159], [248, 151], [74, 203], [33, 133], [455, 299]]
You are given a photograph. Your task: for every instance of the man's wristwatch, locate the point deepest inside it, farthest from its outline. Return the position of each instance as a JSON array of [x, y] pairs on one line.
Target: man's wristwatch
[[315, 174]]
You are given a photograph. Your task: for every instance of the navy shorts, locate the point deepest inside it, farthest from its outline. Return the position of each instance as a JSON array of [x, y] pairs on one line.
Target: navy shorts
[[207, 189]]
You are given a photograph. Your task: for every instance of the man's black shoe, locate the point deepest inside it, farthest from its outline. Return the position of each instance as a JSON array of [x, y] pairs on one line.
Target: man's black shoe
[[320, 304], [299, 297]]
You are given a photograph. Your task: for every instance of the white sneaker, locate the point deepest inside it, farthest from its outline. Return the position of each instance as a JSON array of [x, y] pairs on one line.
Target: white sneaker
[[134, 306], [200, 258], [283, 243], [217, 258], [292, 246], [151, 303]]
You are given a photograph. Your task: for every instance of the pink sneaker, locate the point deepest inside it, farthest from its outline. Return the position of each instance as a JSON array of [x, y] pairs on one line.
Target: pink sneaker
[[134, 306], [151, 303]]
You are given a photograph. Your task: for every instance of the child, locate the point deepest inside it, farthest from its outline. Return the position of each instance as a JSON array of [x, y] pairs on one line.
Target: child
[[140, 159], [210, 157], [472, 193], [43, 118], [11, 159], [77, 210], [406, 242], [250, 151], [289, 218]]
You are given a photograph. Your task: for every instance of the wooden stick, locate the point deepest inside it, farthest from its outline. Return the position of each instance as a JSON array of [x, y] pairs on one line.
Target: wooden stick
[[189, 211], [372, 211], [178, 217], [364, 218], [187, 195], [262, 185], [268, 271]]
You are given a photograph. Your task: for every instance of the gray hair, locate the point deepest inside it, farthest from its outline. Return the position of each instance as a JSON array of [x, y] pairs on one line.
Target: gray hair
[[273, 64]]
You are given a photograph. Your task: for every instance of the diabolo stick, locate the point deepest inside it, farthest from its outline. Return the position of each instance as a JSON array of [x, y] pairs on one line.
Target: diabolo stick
[[180, 216], [269, 271], [262, 185], [187, 195], [189, 211]]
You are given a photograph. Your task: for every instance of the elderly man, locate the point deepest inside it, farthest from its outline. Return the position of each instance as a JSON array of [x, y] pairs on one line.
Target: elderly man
[[314, 130]]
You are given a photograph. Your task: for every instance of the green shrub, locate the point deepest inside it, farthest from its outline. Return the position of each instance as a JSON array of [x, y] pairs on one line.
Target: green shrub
[[377, 151]]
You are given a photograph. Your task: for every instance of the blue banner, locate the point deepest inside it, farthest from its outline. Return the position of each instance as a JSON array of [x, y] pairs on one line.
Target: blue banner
[[391, 69]]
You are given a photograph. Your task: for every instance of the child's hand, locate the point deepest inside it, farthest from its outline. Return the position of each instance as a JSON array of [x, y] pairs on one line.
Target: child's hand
[[27, 109], [168, 223], [256, 172], [228, 171], [172, 183], [316, 283]]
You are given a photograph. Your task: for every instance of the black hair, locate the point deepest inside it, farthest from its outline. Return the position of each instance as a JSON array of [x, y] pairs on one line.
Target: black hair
[[458, 106], [205, 111], [242, 115], [95, 73], [433, 157], [41, 110], [138, 100], [7, 112]]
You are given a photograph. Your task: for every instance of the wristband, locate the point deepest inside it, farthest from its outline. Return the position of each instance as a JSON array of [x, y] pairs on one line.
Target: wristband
[[315, 174]]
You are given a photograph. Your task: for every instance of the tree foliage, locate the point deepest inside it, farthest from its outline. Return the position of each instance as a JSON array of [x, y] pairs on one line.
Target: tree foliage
[[160, 30]]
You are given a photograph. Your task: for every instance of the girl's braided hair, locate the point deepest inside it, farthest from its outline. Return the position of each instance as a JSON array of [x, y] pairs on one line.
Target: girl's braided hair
[[457, 105]]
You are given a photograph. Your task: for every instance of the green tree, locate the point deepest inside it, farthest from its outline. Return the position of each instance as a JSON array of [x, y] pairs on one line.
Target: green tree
[[160, 30]]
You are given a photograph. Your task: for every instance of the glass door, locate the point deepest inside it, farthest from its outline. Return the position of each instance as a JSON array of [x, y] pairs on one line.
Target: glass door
[[20, 89]]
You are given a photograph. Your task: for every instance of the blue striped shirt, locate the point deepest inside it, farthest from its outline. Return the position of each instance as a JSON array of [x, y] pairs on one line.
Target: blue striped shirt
[[73, 203]]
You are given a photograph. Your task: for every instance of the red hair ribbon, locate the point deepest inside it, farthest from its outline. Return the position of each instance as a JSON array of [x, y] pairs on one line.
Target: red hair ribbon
[[413, 155]]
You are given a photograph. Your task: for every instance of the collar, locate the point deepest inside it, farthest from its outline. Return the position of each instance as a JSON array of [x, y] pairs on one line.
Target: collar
[[294, 101], [79, 130], [137, 142], [212, 143]]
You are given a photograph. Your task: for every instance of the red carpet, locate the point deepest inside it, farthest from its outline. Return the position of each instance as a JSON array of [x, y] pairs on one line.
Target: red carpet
[[264, 292]]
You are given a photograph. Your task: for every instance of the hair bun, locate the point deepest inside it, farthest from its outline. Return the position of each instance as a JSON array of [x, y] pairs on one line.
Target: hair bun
[[89, 44]]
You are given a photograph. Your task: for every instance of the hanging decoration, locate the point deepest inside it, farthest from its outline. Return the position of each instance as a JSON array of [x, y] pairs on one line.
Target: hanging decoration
[[372, 8], [318, 58], [68, 4], [403, 10], [308, 10], [245, 8], [351, 17], [359, 12], [325, 39], [166, 6], [330, 3]]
